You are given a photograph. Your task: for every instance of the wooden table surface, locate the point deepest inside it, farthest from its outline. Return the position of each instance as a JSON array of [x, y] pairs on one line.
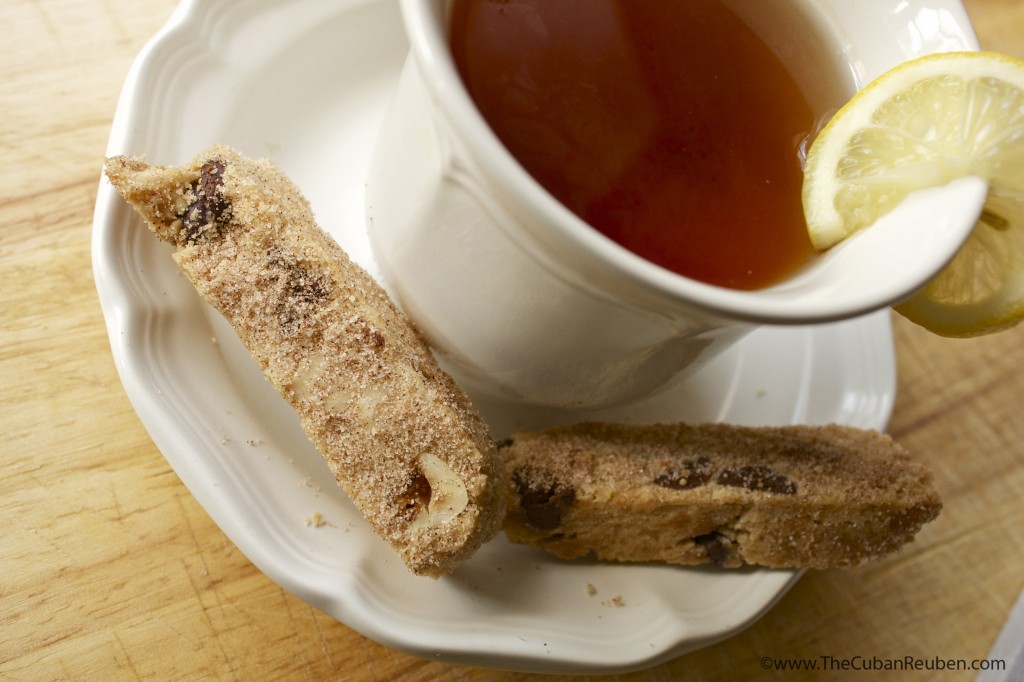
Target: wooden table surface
[[110, 570]]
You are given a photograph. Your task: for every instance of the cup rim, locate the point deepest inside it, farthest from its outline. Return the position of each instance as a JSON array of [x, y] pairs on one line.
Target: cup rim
[[427, 35]]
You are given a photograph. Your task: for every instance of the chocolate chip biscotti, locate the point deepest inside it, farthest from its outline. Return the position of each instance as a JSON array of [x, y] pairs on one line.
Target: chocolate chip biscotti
[[400, 436], [782, 497]]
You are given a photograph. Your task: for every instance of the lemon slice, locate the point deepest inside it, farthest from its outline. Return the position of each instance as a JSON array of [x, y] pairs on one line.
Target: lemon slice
[[923, 124]]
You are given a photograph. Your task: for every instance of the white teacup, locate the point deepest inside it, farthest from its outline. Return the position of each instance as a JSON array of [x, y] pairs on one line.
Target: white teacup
[[523, 300]]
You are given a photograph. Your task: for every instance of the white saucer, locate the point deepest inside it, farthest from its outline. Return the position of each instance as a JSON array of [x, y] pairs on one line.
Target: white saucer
[[304, 83]]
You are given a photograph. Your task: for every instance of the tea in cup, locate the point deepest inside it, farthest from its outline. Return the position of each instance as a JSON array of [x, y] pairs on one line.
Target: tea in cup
[[580, 201]]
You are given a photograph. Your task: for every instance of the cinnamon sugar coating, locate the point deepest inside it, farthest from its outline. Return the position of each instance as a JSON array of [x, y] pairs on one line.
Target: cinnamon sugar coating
[[782, 497], [400, 436]]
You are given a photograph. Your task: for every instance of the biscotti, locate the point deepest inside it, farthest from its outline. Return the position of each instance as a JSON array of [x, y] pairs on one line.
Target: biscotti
[[781, 497], [399, 435]]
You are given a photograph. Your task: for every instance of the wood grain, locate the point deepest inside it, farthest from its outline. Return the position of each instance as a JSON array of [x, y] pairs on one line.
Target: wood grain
[[110, 570]]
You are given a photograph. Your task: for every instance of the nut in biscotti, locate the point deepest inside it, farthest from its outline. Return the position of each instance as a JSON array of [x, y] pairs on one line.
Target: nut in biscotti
[[782, 497], [401, 438]]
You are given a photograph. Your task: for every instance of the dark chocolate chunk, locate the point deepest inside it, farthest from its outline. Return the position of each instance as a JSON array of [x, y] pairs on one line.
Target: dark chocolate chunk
[[543, 504], [303, 288], [209, 210], [692, 474], [302, 285], [718, 547], [758, 478]]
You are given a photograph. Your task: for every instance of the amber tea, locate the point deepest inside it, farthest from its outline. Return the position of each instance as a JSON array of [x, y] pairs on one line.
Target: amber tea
[[671, 127]]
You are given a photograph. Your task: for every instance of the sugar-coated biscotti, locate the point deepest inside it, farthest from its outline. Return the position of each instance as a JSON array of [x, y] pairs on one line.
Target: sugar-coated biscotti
[[400, 436], [782, 497]]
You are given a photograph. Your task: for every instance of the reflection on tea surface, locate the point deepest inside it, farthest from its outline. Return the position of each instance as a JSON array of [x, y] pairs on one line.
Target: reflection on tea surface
[[670, 126]]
